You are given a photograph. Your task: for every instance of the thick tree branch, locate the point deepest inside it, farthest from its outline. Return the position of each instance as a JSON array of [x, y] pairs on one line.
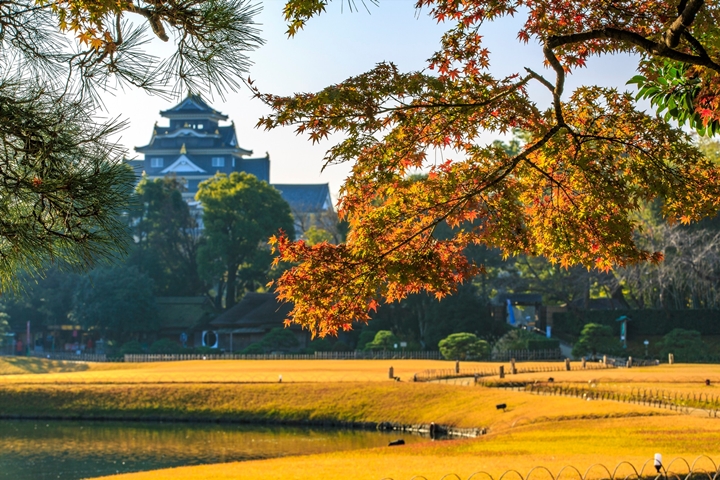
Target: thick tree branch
[[650, 46], [559, 83], [682, 23]]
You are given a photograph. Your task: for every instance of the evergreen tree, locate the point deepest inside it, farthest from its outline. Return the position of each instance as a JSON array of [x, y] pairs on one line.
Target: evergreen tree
[[240, 213], [166, 237]]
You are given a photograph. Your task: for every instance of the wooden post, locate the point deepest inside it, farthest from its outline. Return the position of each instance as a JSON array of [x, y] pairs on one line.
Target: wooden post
[[604, 359], [567, 364], [629, 362], [513, 370], [584, 362], [457, 366], [391, 373], [502, 371], [671, 358]]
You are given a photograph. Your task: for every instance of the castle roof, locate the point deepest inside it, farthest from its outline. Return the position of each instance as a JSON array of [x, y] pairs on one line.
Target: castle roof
[[193, 106], [306, 198]]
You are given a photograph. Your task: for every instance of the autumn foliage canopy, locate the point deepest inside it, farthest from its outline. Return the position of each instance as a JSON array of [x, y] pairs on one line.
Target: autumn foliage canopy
[[591, 159]]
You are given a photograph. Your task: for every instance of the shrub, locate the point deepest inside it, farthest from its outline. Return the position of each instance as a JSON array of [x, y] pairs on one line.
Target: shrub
[[384, 340], [366, 336], [463, 346], [166, 346], [595, 338], [279, 339], [644, 322], [131, 347], [519, 339], [253, 349], [685, 345], [203, 351], [320, 345]]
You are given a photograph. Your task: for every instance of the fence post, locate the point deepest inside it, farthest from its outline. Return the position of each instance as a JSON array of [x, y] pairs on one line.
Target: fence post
[[584, 362], [457, 366], [502, 371], [671, 358], [629, 362], [567, 364], [391, 373]]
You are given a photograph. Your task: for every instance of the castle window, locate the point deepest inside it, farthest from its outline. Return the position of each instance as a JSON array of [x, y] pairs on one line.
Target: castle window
[[156, 162], [200, 126], [218, 161]]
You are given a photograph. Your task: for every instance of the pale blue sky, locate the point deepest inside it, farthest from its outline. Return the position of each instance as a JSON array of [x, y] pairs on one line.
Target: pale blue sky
[[332, 47]]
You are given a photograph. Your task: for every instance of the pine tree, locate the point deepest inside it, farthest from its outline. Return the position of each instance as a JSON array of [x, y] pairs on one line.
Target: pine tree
[[63, 185]]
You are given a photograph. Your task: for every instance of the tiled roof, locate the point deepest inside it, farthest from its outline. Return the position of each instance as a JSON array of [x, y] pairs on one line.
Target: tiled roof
[[255, 309], [182, 312], [191, 104], [260, 167], [305, 198]]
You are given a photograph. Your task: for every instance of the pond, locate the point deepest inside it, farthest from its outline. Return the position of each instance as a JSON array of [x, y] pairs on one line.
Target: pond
[[39, 450]]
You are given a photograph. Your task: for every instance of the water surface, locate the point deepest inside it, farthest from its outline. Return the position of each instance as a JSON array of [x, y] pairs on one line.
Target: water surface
[[40, 450]]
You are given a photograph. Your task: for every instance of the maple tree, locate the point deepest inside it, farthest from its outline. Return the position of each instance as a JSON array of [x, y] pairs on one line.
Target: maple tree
[[590, 159]]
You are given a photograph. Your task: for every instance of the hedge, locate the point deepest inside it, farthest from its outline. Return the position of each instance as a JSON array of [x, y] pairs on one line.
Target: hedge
[[543, 344], [643, 322]]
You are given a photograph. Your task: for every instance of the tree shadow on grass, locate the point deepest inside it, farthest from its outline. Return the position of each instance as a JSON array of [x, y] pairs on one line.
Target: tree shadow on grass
[[39, 365]]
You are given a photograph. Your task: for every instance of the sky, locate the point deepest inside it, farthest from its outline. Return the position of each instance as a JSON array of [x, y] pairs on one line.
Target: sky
[[333, 47]]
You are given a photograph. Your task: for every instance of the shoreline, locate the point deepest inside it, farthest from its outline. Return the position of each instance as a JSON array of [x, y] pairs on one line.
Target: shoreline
[[423, 430]]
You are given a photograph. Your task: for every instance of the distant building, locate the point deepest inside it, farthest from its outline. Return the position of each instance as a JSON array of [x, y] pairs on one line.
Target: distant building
[[195, 146], [251, 319]]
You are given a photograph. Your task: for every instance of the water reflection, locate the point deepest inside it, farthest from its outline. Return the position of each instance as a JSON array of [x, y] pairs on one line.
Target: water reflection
[[35, 450]]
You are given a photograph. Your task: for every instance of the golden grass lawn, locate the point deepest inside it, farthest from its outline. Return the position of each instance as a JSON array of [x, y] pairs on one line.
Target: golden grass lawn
[[235, 371], [535, 430], [581, 443]]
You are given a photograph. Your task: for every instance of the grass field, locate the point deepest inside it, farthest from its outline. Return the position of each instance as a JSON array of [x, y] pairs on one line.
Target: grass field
[[536, 430], [225, 371]]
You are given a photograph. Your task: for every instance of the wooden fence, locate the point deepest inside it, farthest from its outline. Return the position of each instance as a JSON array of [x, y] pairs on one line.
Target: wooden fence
[[356, 355], [527, 355], [73, 357], [459, 372]]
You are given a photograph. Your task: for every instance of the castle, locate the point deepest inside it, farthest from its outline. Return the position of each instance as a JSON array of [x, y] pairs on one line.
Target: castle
[[194, 147]]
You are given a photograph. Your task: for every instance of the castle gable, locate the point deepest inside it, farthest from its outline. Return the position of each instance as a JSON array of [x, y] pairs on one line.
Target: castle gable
[[183, 165]]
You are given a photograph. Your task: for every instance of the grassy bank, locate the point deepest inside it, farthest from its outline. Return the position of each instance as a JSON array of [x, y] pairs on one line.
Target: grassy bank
[[554, 445], [404, 403], [551, 431]]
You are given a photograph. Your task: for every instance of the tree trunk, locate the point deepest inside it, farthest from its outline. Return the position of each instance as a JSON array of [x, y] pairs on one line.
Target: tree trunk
[[230, 287]]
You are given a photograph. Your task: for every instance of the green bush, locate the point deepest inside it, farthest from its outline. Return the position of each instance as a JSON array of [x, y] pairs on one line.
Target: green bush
[[366, 336], [463, 346], [166, 346], [131, 347], [594, 339], [320, 345], [253, 349], [519, 339], [203, 351], [384, 340], [643, 323], [685, 345], [279, 340]]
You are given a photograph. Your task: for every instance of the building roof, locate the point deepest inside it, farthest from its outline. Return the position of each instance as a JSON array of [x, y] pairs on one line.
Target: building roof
[[260, 167], [306, 198], [255, 310], [183, 312], [193, 104]]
